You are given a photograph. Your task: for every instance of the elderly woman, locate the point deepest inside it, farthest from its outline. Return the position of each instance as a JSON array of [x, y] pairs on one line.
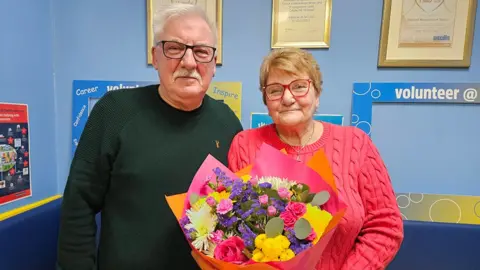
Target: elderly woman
[[370, 234]]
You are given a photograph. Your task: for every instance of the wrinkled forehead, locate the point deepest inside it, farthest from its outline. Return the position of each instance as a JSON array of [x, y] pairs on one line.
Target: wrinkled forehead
[[188, 29]]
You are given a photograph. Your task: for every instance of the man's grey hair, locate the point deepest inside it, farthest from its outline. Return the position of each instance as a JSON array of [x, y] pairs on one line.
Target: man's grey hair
[[162, 16]]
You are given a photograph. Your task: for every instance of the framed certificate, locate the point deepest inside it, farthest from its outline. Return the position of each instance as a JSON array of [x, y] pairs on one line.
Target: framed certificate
[[301, 23], [213, 9], [427, 33]]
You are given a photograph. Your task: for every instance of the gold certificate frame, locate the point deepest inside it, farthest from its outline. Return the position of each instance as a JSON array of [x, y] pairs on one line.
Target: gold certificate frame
[[301, 23], [427, 33], [214, 11]]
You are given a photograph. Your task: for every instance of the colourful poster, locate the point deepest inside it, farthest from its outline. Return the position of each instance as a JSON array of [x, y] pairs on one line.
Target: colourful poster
[[14, 153], [230, 93], [262, 119]]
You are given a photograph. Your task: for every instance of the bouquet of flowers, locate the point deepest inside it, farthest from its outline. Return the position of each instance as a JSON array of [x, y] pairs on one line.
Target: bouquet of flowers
[[275, 214]]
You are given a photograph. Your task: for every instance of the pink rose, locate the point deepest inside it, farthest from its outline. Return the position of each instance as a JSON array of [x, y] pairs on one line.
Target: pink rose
[[211, 201], [231, 250], [312, 235], [271, 210], [224, 206], [284, 193], [296, 208], [217, 236], [263, 199], [253, 181], [289, 219]]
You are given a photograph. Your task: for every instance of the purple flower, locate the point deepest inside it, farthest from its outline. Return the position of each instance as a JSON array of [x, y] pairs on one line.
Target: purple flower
[[261, 212], [247, 213], [227, 221], [237, 189], [296, 245], [222, 178], [265, 185], [247, 234], [279, 204]]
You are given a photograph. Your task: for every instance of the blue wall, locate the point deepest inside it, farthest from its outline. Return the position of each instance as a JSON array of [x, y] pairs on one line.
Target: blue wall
[[106, 40], [27, 76]]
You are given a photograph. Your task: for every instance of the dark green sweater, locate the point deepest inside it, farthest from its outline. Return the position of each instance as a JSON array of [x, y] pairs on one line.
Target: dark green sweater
[[134, 150]]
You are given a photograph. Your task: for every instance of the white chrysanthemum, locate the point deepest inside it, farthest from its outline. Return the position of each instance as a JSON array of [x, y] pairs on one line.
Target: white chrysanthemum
[[277, 182], [203, 222]]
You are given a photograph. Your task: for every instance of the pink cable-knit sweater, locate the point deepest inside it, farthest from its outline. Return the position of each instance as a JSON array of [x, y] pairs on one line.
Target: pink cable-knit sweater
[[370, 234]]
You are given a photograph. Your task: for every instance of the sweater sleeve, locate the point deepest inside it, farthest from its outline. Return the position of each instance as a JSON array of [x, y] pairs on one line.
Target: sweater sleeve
[[238, 154], [85, 189], [382, 232]]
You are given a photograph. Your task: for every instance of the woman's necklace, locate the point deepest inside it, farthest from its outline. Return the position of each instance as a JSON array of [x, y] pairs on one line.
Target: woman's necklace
[[301, 146]]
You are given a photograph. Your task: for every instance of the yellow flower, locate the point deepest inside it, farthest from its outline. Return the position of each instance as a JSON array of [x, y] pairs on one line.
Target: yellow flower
[[245, 178], [259, 240], [218, 196], [287, 255], [318, 219], [271, 248], [257, 255], [282, 241]]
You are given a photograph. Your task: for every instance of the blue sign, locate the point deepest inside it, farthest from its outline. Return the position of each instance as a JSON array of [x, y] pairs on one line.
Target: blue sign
[[262, 119], [365, 94], [85, 95]]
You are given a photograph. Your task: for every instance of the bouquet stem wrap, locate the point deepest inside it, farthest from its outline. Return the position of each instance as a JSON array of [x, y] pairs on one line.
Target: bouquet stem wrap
[[315, 179]]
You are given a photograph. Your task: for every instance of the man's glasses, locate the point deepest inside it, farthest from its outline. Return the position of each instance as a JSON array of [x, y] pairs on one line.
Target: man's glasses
[[176, 50], [298, 88]]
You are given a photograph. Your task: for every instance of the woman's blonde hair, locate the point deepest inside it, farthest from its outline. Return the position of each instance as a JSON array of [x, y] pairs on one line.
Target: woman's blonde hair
[[292, 61]]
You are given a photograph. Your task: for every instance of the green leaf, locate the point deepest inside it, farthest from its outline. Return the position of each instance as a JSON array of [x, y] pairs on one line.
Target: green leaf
[[310, 198], [303, 197], [320, 198], [253, 228], [302, 228], [274, 227], [194, 198], [246, 205], [272, 194]]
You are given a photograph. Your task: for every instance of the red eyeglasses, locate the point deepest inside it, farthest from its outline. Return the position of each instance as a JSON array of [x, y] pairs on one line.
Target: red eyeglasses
[[298, 88]]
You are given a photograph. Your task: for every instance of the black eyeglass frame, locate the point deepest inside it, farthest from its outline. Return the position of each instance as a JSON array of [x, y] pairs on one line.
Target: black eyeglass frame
[[192, 47]]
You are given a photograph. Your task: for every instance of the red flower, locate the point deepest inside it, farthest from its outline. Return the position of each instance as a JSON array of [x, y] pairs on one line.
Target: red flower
[[289, 219], [231, 250], [296, 208]]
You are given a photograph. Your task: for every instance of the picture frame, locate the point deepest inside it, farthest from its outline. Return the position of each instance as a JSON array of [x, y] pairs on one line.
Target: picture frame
[[427, 33], [302, 24], [214, 8]]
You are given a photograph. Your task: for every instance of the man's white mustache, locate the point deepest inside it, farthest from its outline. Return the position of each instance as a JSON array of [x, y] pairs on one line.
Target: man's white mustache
[[185, 73]]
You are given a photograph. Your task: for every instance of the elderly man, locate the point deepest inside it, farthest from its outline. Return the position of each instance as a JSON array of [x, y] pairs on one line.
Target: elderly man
[[140, 145]]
